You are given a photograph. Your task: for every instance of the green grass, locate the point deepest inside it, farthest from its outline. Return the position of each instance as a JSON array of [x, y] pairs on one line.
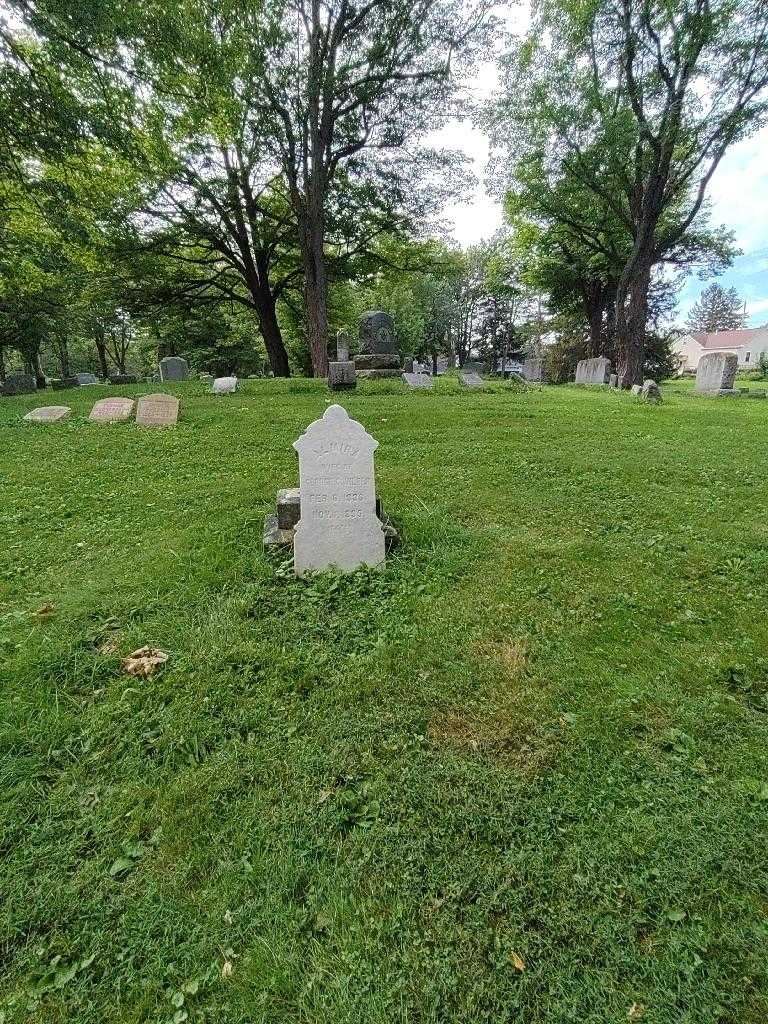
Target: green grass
[[538, 736]]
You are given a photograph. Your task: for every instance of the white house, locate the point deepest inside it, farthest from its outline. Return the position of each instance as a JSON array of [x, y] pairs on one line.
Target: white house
[[748, 345]]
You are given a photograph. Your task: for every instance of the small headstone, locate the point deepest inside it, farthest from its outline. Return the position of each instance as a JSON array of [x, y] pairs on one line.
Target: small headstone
[[224, 386], [112, 410], [63, 383], [157, 411], [613, 380], [19, 384], [124, 378], [288, 507], [408, 364], [471, 380], [596, 370], [651, 391], [417, 380], [86, 378], [173, 368], [49, 414], [341, 375], [338, 525], [342, 347], [716, 371], [637, 389]]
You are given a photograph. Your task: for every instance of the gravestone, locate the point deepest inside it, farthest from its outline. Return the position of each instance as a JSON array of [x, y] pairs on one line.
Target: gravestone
[[173, 368], [19, 384], [637, 389], [613, 380], [417, 380], [112, 410], [596, 370], [471, 380], [157, 411], [224, 386], [651, 391], [338, 525], [716, 372], [64, 383], [533, 369], [86, 378], [49, 414], [288, 507], [342, 347], [378, 352], [408, 364], [341, 375], [124, 378]]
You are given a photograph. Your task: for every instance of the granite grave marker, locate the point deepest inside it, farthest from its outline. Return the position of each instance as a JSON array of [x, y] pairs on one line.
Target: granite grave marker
[[49, 414], [716, 372], [157, 411], [173, 368], [112, 410]]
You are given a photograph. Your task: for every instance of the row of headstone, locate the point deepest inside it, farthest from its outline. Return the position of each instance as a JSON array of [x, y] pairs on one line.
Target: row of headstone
[[151, 411]]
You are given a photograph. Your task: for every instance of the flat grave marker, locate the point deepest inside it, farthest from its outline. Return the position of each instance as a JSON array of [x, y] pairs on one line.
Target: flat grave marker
[[157, 411], [224, 386], [112, 410], [49, 414]]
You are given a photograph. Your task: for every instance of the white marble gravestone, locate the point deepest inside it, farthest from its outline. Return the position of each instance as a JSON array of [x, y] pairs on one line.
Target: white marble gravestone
[[338, 527], [224, 386]]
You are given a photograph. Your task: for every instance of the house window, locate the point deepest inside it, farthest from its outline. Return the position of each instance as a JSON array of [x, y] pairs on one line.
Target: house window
[[746, 357]]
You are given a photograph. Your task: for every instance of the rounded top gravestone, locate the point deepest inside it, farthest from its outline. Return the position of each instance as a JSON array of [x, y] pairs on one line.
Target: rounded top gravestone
[[377, 333], [173, 368]]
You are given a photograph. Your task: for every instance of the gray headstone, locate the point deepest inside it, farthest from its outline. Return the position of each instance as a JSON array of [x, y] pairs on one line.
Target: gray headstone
[[637, 389], [613, 380], [112, 410], [596, 370], [86, 378], [338, 525], [651, 391], [533, 369], [64, 383], [124, 378], [716, 371], [157, 411], [342, 347], [417, 380], [288, 507], [173, 368], [471, 380], [224, 386], [377, 333], [19, 384], [341, 375], [49, 414]]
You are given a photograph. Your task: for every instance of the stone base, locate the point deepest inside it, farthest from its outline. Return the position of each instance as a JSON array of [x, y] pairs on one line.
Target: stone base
[[274, 537], [378, 374], [288, 507], [341, 375], [378, 361]]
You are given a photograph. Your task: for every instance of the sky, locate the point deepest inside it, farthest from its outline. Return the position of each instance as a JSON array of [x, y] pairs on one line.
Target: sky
[[738, 194]]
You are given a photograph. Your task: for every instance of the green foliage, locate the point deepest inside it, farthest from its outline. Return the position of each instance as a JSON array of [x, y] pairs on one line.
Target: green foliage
[[718, 309]]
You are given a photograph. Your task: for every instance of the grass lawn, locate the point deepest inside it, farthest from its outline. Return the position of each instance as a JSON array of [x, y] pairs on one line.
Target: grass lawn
[[520, 775]]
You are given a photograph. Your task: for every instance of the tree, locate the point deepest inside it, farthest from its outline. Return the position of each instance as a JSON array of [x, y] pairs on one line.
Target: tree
[[718, 309], [349, 90], [637, 101]]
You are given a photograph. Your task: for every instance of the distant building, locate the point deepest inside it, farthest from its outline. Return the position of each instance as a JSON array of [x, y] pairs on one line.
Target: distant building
[[748, 345]]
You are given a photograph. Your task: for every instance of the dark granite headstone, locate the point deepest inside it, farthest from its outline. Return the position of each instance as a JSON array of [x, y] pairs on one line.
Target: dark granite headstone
[[19, 384], [174, 368]]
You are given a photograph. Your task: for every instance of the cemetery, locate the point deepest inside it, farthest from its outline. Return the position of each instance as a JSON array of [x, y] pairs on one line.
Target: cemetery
[[383, 555]]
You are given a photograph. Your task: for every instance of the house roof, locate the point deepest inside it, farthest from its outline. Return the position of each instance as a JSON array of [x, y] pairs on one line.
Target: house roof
[[726, 339]]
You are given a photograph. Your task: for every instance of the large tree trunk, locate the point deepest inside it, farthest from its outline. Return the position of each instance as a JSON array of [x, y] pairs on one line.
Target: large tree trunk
[[37, 368], [2, 364], [273, 339], [316, 290], [63, 354], [101, 351], [631, 319]]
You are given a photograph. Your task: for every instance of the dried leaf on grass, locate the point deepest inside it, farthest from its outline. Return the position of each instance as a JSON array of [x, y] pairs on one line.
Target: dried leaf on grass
[[518, 962], [144, 661], [636, 1011], [45, 611]]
